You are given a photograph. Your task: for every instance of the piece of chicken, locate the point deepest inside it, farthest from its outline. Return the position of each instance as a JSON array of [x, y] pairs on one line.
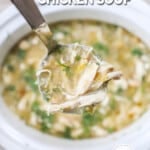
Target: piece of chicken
[[73, 78]]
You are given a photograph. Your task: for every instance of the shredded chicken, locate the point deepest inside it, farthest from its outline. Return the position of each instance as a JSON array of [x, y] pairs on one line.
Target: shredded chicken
[[80, 78]]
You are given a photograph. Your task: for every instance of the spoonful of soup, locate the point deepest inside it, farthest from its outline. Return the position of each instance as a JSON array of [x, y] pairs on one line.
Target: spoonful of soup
[[70, 76], [74, 77]]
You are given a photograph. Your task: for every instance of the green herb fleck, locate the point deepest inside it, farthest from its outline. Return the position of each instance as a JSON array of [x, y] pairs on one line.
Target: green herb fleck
[[44, 127], [47, 119], [67, 133], [10, 88], [30, 79], [65, 32], [101, 48], [87, 119], [66, 68], [46, 95], [56, 90], [90, 119], [119, 91], [35, 106], [111, 130], [10, 68], [113, 104], [21, 54], [137, 52], [78, 58], [60, 30]]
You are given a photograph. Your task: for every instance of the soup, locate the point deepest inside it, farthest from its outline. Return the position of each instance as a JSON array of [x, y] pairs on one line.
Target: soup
[[127, 100]]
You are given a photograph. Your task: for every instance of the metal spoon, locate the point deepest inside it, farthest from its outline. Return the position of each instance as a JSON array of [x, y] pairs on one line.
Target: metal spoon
[[33, 16], [37, 22], [76, 104]]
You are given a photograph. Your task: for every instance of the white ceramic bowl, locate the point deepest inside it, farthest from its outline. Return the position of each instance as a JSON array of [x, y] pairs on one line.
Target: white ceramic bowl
[[14, 134]]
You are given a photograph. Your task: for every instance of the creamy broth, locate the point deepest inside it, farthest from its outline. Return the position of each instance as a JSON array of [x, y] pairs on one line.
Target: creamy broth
[[127, 99]]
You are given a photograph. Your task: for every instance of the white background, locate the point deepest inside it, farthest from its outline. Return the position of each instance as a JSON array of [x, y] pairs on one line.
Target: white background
[[5, 3]]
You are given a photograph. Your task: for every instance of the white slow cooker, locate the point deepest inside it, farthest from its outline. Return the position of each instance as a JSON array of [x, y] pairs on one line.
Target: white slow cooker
[[15, 135]]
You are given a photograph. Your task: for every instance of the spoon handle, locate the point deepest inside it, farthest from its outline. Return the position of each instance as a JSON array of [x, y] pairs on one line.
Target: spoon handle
[[35, 19], [30, 12]]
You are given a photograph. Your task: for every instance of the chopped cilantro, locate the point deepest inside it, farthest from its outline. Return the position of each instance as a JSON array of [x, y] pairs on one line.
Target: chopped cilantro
[[137, 52], [61, 30], [35, 106], [10, 88], [67, 133], [46, 118], [57, 90], [65, 32], [90, 119], [113, 104], [66, 68], [10, 67], [101, 48], [111, 130], [21, 54], [78, 58], [30, 79], [46, 95], [44, 127], [119, 91], [87, 119]]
